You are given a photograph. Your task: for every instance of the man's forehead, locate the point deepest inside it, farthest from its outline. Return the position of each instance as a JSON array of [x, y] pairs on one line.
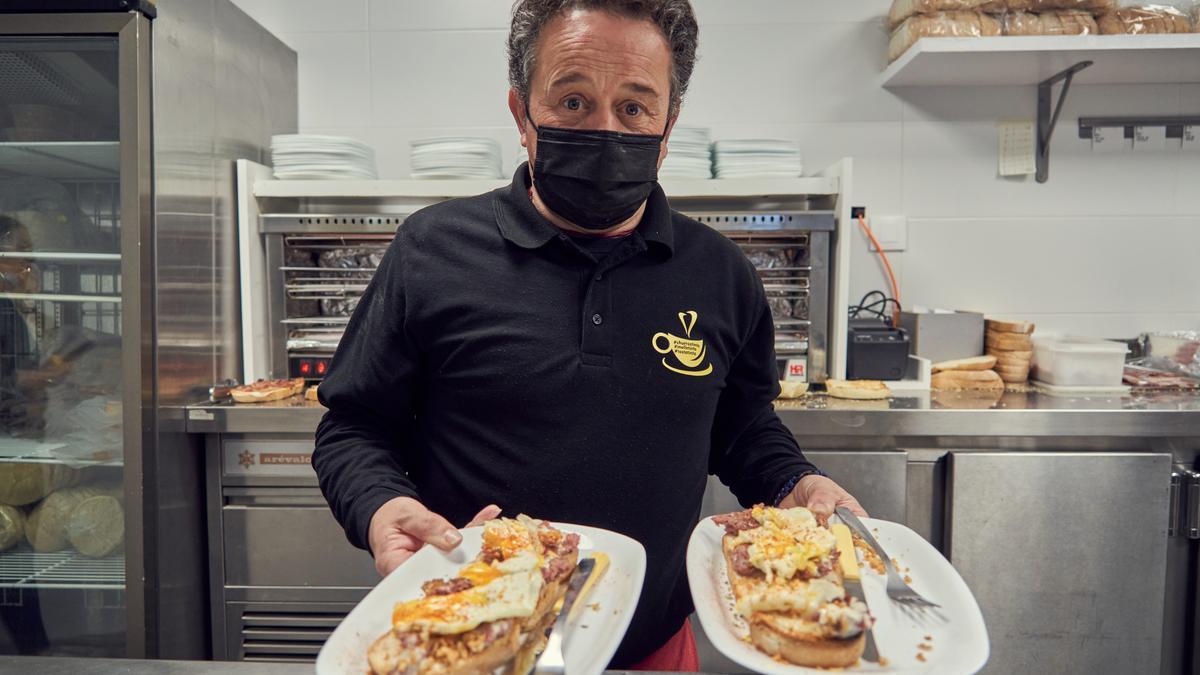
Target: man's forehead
[[574, 47]]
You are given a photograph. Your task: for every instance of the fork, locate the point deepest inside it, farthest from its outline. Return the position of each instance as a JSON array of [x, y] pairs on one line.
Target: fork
[[897, 589]]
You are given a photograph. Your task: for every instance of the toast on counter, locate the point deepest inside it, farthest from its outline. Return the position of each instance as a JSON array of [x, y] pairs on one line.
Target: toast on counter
[[787, 585], [859, 390], [263, 391], [494, 613]]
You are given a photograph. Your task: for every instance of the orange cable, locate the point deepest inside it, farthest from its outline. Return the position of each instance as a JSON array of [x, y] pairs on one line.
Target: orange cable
[[888, 266]]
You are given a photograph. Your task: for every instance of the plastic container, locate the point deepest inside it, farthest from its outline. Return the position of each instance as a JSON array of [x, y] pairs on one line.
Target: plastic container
[[1073, 361]]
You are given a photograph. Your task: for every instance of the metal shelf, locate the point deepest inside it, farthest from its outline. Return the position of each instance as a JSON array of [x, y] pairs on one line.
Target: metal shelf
[[78, 160], [22, 568], [62, 255], [62, 297], [1026, 60], [680, 188], [30, 451]]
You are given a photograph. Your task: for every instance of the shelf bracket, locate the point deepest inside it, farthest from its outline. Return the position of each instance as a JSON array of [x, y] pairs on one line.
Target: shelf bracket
[[1047, 119]]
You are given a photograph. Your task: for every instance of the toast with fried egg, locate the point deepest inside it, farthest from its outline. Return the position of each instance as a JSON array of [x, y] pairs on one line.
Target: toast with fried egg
[[787, 586], [493, 615]]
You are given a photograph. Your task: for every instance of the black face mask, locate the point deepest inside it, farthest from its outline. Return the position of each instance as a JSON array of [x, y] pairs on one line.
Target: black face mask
[[595, 179]]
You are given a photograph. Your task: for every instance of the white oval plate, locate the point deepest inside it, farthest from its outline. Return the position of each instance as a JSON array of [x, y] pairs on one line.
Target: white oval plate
[[591, 639], [960, 641]]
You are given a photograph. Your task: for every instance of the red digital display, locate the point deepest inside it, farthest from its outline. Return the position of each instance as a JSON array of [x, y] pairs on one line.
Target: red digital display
[[322, 366], [305, 367]]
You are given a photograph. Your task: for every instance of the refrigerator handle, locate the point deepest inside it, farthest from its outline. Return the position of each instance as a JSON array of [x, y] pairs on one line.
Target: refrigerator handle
[[1184, 503], [1174, 508]]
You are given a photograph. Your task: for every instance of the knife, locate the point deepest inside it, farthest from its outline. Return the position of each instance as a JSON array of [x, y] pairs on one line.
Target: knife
[[552, 661], [852, 581]]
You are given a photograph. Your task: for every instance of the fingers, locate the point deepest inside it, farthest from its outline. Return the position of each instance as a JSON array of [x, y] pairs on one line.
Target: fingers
[[427, 526], [387, 561], [855, 508], [488, 512]]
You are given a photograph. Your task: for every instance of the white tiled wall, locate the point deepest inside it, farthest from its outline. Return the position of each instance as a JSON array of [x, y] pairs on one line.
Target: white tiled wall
[[1110, 246]]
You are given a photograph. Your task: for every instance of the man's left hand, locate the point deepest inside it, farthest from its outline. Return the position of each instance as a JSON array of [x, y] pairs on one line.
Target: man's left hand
[[821, 496]]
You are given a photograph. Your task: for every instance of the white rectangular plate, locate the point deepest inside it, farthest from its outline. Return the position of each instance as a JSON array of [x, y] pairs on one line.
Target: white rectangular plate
[[960, 641], [591, 639]]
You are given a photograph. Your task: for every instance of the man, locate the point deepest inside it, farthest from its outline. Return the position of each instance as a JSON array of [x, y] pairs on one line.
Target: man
[[566, 347]]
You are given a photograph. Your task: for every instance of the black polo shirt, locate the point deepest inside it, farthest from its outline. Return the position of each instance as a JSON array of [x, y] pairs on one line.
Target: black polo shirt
[[495, 360]]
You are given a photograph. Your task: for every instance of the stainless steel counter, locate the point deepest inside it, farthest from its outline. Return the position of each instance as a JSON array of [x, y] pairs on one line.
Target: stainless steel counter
[[53, 665], [936, 414]]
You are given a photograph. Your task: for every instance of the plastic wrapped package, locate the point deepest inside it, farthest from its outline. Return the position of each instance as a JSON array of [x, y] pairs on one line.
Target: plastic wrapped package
[[1051, 5], [944, 24], [781, 307], [351, 258], [1069, 22], [903, 9], [1144, 20], [339, 306], [770, 258]]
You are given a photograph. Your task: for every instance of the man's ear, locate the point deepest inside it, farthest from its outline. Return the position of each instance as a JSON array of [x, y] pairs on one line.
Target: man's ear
[[517, 107]]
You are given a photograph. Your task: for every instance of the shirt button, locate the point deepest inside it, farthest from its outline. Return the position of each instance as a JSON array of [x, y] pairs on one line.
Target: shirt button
[[599, 277], [597, 319]]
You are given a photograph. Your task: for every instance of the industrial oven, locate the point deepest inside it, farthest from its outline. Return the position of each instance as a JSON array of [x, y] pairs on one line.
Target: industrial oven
[[319, 253]]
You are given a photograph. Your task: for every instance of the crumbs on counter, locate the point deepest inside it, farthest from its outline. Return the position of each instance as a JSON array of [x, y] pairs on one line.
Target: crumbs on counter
[[595, 607], [883, 662], [921, 656], [929, 637], [924, 647], [907, 579]]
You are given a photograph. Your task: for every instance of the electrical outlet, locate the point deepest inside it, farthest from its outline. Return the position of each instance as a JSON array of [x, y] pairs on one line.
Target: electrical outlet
[[891, 231]]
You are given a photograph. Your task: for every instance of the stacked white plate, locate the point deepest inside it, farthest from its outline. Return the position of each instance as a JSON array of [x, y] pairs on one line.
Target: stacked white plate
[[689, 154], [757, 158], [316, 157], [456, 157]]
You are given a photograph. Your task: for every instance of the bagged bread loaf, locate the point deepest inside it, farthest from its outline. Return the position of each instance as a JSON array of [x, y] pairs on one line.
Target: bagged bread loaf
[[12, 526], [1068, 22], [1049, 5], [902, 9], [1144, 20], [944, 24], [96, 526], [24, 483], [46, 527]]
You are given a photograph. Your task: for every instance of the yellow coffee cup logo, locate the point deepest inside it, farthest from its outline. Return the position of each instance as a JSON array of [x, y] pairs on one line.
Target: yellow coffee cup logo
[[688, 352]]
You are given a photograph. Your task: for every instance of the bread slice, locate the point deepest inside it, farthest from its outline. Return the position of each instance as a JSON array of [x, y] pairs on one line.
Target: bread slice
[[819, 653], [967, 379], [509, 644], [791, 389], [858, 390], [972, 363], [998, 326], [1012, 359], [1013, 375], [264, 391], [1013, 342], [310, 394], [789, 636]]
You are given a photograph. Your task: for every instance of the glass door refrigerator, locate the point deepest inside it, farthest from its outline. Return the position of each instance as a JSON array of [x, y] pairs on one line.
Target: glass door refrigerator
[[118, 303]]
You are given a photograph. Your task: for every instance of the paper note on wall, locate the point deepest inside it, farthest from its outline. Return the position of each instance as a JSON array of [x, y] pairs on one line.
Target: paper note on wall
[[1018, 146], [1191, 139], [1149, 139]]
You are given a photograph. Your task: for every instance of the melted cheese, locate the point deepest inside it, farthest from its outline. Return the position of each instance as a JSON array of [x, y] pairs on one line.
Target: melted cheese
[[804, 598], [502, 589], [509, 596], [789, 541]]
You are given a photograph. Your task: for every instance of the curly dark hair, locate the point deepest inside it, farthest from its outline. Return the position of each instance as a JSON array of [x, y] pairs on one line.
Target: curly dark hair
[[674, 17]]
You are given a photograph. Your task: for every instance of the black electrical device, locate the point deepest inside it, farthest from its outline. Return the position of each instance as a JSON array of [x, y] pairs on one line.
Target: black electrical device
[[878, 350]]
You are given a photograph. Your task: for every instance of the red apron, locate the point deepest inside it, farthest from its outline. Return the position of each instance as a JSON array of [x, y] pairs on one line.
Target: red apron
[[677, 655]]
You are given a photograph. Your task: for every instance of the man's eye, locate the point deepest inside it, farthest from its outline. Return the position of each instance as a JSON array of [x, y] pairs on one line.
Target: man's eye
[[573, 104], [632, 109]]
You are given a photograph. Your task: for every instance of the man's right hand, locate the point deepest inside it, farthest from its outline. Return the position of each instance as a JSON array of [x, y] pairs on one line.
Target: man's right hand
[[403, 525]]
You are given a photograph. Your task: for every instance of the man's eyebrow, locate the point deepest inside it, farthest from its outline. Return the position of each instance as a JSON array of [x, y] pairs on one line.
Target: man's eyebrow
[[570, 78], [639, 88]]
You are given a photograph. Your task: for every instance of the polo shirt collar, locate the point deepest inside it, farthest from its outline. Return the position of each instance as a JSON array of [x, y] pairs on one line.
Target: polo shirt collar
[[520, 222]]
